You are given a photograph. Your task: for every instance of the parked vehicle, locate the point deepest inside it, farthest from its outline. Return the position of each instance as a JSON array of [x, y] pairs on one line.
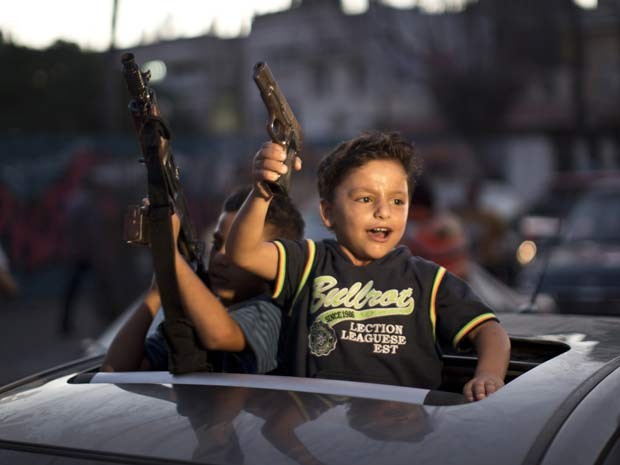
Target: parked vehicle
[[581, 271], [540, 226], [560, 406]]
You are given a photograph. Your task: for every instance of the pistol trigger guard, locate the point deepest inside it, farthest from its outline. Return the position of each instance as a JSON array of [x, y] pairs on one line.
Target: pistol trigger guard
[[271, 131], [276, 137]]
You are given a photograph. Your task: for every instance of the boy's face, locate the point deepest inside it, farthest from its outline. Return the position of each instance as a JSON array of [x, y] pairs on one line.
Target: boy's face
[[229, 282], [368, 213]]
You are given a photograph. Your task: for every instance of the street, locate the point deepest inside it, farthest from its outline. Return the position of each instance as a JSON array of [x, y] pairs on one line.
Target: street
[[31, 338]]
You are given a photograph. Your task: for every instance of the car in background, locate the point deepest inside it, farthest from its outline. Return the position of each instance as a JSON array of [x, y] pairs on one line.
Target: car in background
[[559, 406], [581, 270], [539, 227]]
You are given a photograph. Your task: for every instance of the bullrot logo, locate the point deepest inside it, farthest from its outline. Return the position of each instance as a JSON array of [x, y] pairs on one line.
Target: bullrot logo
[[355, 304]]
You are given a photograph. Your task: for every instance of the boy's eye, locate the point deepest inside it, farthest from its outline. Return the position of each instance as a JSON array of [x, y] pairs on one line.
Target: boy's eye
[[399, 202], [365, 199]]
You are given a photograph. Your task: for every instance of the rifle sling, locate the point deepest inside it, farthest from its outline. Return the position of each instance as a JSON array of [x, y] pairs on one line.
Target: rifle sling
[[186, 353]]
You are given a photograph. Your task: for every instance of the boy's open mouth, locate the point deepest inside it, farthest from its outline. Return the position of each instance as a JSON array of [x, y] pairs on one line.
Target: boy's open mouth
[[379, 234]]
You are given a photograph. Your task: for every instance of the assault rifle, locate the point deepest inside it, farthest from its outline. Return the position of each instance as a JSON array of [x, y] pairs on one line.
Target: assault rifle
[[282, 126], [153, 226]]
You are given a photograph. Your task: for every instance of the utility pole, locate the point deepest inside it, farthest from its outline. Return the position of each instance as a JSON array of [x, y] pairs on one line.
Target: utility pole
[[580, 119], [111, 81], [112, 46]]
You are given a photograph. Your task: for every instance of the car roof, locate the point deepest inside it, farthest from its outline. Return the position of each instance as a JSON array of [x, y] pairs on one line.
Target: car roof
[[234, 419]]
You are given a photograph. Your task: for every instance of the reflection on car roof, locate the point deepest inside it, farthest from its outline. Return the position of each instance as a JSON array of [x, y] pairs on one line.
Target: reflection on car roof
[[280, 383]]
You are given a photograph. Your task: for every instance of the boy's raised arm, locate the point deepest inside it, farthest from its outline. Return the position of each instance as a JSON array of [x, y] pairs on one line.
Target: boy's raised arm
[[215, 328], [245, 244]]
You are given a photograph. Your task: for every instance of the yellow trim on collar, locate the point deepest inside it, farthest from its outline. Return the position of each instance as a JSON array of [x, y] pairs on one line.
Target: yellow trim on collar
[[279, 281], [432, 310]]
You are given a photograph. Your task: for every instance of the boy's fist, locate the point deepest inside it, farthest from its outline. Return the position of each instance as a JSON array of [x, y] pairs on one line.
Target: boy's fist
[[269, 165]]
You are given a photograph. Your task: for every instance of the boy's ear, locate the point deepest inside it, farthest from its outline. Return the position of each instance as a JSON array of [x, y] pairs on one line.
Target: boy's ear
[[325, 208]]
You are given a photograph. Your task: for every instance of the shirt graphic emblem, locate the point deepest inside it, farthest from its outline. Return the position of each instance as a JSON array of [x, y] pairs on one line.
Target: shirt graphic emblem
[[360, 302], [322, 339]]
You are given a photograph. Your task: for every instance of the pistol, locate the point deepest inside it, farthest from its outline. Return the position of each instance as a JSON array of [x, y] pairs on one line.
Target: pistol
[[282, 125]]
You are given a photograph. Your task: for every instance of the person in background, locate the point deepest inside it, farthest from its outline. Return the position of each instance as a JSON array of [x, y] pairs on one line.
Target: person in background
[[487, 232], [434, 234], [441, 237], [360, 308]]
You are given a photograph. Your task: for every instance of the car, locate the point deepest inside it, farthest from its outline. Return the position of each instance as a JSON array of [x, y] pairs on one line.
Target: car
[[540, 226], [559, 406], [581, 271]]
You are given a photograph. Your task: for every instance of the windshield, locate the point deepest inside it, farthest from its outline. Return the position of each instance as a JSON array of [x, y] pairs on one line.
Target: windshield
[[596, 217]]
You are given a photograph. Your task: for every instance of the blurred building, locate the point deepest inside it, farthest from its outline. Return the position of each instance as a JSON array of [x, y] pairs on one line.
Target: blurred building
[[481, 98], [199, 82], [333, 71], [345, 73]]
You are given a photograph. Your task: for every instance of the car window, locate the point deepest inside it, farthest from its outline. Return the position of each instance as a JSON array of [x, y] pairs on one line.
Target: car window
[[597, 217], [556, 204]]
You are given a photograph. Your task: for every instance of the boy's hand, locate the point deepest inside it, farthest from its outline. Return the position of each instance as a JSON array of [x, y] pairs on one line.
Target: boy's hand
[[269, 166], [481, 386], [493, 348]]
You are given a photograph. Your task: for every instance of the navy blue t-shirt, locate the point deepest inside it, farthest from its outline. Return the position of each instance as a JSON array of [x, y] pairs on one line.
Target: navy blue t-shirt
[[376, 323]]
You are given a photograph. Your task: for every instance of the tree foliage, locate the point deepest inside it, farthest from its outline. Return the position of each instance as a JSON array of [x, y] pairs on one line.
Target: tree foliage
[[57, 89]]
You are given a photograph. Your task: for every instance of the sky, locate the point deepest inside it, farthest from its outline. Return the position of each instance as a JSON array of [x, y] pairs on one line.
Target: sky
[[39, 23]]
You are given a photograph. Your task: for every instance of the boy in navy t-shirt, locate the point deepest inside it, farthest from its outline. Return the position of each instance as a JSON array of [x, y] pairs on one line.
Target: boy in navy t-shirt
[[361, 308]]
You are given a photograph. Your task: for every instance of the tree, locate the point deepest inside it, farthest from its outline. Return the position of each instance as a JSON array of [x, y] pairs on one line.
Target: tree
[[57, 89]]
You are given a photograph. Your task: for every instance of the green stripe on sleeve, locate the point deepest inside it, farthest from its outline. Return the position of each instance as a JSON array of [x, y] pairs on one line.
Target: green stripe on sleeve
[[471, 325]]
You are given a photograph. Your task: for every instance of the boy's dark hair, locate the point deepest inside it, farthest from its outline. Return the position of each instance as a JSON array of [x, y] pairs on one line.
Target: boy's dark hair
[[282, 214], [357, 152]]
